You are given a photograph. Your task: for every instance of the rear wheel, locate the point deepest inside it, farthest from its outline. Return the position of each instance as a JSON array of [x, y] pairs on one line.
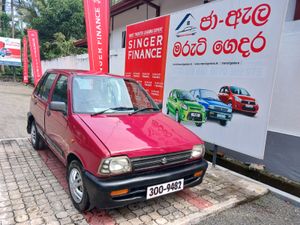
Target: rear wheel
[[36, 139], [77, 188], [177, 117]]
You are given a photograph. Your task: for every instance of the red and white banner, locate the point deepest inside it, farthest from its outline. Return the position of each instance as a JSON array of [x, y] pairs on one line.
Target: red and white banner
[[146, 50], [10, 51], [25, 61], [97, 18], [35, 54]]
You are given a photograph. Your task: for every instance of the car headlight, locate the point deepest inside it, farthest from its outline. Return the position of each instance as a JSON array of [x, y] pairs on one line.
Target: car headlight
[[184, 106], [211, 107], [115, 165], [198, 151], [237, 99]]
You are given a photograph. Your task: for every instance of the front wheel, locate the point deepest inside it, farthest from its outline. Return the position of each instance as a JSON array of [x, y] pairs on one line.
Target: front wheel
[[77, 189], [223, 122], [177, 117], [198, 124]]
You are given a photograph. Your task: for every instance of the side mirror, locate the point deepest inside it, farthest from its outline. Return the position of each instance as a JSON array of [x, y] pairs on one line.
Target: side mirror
[[58, 106], [198, 96], [160, 105], [175, 99]]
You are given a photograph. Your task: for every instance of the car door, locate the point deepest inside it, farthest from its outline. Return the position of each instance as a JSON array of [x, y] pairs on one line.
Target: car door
[[56, 122], [40, 100]]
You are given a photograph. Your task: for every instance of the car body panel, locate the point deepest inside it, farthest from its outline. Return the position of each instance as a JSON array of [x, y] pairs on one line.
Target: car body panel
[[140, 134]]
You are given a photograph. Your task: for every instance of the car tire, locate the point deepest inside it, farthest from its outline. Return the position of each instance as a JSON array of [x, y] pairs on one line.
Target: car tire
[[198, 124], [36, 139], [177, 117], [77, 189], [223, 122]]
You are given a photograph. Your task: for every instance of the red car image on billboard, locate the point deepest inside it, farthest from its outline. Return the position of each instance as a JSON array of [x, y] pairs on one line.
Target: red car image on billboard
[[239, 99]]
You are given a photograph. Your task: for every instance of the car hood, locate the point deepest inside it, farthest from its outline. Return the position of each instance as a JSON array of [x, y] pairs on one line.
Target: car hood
[[215, 102], [140, 134], [244, 97], [192, 104]]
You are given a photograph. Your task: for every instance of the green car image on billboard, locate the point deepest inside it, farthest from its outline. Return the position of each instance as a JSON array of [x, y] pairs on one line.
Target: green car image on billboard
[[185, 107]]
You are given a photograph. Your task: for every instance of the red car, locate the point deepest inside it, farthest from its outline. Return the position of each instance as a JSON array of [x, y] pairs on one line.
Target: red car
[[239, 99], [116, 144]]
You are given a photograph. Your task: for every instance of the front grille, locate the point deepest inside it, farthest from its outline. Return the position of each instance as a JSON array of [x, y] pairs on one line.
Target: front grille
[[221, 109], [157, 161], [248, 102], [248, 109]]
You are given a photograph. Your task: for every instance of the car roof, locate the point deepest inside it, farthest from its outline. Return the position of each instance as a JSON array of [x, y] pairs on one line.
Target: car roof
[[72, 72]]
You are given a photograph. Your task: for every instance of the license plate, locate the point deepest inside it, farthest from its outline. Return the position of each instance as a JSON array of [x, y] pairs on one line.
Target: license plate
[[195, 114], [163, 189], [249, 106], [221, 116]]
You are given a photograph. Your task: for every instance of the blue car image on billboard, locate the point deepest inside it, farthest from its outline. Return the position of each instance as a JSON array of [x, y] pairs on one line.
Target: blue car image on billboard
[[215, 109]]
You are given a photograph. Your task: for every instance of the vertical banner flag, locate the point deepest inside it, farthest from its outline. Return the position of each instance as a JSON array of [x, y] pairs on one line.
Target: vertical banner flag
[[146, 51], [35, 54], [97, 18], [25, 61]]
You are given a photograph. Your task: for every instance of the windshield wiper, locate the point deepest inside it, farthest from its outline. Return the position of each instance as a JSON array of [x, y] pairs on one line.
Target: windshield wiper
[[143, 109], [121, 108]]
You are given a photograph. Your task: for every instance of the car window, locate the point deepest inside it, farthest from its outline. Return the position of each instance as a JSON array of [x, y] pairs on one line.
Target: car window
[[226, 90], [60, 93], [46, 87], [174, 94], [40, 83], [92, 94]]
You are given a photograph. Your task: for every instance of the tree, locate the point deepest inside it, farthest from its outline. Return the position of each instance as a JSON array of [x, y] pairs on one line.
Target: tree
[[59, 23]]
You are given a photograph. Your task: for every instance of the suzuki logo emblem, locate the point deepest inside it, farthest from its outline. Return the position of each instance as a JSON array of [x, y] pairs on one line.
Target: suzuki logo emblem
[[164, 160]]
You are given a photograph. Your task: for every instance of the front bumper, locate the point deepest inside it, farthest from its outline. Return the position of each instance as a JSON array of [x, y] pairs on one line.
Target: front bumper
[[99, 189], [212, 114], [190, 116]]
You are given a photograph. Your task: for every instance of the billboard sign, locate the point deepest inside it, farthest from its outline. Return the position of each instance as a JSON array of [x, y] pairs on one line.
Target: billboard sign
[[221, 65], [10, 51], [96, 13], [146, 51]]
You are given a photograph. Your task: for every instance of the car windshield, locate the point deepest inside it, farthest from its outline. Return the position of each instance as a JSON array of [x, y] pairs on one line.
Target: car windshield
[[208, 94], [185, 95], [94, 94], [239, 91]]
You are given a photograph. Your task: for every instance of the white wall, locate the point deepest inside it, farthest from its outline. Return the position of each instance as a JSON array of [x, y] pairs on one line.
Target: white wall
[[69, 62], [285, 116]]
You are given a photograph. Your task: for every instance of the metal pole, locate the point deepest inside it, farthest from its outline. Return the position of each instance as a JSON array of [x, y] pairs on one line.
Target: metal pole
[[214, 161], [13, 31]]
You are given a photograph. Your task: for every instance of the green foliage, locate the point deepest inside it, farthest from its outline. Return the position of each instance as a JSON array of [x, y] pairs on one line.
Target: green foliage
[[5, 30], [60, 47], [59, 23]]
